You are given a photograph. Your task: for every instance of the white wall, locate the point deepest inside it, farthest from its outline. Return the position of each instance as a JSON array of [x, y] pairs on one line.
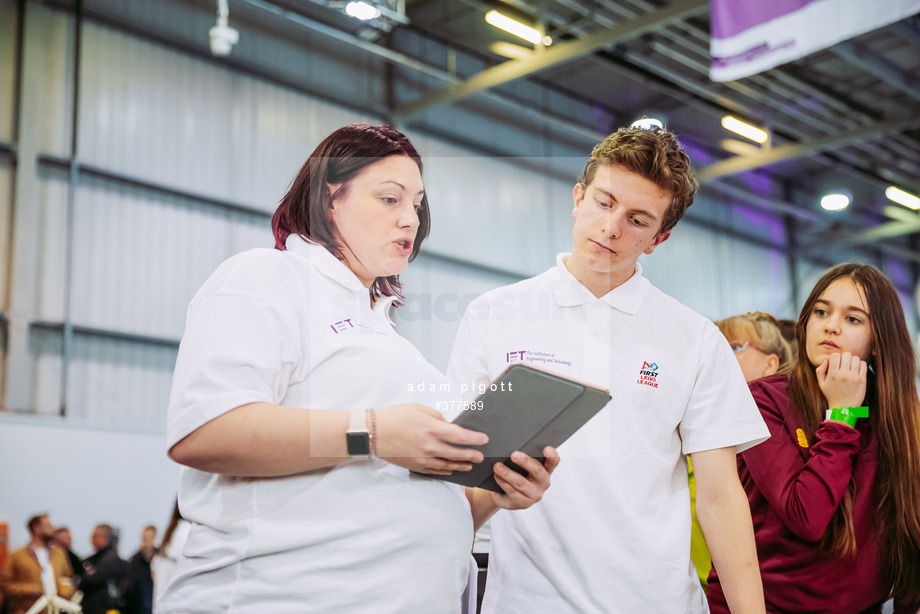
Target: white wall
[[83, 476]]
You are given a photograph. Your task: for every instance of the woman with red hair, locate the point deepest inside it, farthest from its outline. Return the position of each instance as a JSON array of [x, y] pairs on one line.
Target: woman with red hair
[[296, 412]]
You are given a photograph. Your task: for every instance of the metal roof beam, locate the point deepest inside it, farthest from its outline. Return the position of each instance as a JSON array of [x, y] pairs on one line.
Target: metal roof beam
[[901, 214], [877, 235], [400, 59], [883, 69], [551, 56], [739, 164], [907, 31]]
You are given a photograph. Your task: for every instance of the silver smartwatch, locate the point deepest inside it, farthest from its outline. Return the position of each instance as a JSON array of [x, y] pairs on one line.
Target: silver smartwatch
[[357, 437]]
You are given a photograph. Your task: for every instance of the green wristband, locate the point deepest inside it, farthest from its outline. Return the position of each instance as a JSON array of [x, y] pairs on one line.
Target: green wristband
[[847, 415]]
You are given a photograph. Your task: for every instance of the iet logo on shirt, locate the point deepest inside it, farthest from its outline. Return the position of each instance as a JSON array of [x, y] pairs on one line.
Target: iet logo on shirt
[[347, 325], [648, 374], [550, 359], [342, 325]]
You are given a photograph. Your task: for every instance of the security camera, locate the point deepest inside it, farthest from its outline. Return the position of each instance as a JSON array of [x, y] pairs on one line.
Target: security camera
[[222, 40]]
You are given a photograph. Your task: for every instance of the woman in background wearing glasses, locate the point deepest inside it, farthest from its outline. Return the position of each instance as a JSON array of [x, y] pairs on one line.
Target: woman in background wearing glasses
[[761, 350], [758, 344]]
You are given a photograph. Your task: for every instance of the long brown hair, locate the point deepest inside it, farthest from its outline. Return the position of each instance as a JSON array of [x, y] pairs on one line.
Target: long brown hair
[[174, 519], [894, 417]]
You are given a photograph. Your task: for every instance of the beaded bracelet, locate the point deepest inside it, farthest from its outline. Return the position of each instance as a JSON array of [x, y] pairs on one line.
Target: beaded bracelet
[[847, 415], [373, 416]]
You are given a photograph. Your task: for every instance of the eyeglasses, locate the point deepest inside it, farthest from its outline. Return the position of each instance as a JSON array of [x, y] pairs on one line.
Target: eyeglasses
[[739, 347]]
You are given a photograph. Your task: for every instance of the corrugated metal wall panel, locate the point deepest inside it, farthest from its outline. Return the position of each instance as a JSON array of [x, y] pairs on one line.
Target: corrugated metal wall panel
[[289, 54], [274, 130], [45, 349], [48, 73], [712, 208], [437, 295], [9, 17], [156, 114], [900, 275], [331, 69], [718, 276], [51, 245], [807, 274], [228, 136], [6, 230], [118, 382], [248, 232], [560, 214], [490, 211], [138, 260], [139, 257], [268, 146]]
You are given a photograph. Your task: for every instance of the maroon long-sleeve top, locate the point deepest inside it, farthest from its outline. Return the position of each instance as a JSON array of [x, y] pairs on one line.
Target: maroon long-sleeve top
[[794, 489]]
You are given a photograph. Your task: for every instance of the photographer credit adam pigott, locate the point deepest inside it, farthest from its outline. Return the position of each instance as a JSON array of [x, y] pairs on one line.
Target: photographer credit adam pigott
[[464, 388]]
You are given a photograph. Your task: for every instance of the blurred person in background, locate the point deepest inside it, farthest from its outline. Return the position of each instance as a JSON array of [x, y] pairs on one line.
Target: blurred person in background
[[64, 540], [37, 568], [105, 574], [139, 585], [761, 350], [787, 328]]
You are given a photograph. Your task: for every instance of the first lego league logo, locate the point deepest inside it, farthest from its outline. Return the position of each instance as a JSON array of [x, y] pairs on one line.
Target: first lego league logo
[[648, 374]]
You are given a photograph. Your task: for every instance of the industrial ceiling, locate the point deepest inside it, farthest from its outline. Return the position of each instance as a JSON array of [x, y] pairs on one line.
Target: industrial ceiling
[[843, 118]]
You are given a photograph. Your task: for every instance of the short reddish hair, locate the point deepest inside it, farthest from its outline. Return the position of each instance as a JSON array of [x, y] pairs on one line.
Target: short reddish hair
[[305, 209]]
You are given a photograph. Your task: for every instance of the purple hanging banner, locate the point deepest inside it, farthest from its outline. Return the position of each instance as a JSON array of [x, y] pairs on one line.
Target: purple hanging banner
[[750, 36]]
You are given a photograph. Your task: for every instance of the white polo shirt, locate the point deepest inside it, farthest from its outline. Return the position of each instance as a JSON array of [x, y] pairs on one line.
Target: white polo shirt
[[296, 328], [612, 533]]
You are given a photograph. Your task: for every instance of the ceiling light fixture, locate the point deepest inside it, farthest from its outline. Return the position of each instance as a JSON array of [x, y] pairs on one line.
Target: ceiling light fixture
[[511, 26], [223, 37], [744, 129], [835, 202], [362, 11], [647, 123], [902, 198]]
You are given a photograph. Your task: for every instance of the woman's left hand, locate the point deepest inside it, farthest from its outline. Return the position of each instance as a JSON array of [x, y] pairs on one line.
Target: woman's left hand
[[520, 491]]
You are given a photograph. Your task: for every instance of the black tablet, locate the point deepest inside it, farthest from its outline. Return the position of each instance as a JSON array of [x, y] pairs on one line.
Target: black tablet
[[525, 408]]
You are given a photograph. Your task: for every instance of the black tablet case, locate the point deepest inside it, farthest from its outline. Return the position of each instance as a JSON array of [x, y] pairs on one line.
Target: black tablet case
[[536, 409]]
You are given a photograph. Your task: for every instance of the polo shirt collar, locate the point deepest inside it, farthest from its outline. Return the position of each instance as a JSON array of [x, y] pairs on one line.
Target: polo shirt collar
[[383, 307], [328, 265], [338, 271], [569, 292]]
